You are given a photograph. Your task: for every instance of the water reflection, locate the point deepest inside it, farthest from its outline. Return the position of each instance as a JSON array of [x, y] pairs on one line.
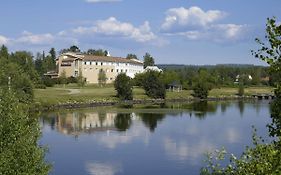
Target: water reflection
[[167, 139], [103, 168], [76, 123]]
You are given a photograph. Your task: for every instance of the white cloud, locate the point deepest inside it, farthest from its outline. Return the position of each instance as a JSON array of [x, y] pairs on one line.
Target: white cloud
[[113, 28], [217, 33], [196, 24], [101, 1], [3, 40], [35, 39], [192, 17]]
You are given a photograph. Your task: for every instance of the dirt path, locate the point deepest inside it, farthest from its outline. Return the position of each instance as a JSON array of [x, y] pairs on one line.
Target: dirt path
[[74, 91]]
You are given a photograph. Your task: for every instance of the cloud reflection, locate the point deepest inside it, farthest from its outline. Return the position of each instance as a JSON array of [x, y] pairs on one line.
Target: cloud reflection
[[182, 150], [103, 168]]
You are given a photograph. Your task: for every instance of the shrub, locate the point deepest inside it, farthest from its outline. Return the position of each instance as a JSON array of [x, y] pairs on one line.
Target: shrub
[[123, 86], [241, 89], [153, 86], [201, 90]]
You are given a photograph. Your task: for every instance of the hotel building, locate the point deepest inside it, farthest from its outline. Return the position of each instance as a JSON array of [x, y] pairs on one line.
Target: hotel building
[[90, 65]]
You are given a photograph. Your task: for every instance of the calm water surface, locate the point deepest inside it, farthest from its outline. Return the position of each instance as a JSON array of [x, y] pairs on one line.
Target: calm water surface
[[167, 140]]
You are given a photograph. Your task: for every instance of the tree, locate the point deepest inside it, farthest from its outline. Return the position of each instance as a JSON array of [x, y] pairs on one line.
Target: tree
[[63, 79], [20, 132], [270, 49], [52, 53], [200, 90], [123, 86], [241, 89], [80, 79], [102, 77], [132, 56], [148, 60], [25, 61], [74, 49], [98, 52], [201, 84], [14, 78], [263, 158], [153, 86], [4, 54]]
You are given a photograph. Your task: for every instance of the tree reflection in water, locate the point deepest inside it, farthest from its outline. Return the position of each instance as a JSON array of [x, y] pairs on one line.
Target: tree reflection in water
[[123, 121], [151, 119]]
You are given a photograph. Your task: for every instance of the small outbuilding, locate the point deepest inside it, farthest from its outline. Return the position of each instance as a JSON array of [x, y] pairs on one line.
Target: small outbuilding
[[175, 86]]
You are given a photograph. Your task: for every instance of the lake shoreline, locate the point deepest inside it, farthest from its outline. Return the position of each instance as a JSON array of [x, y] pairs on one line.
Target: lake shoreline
[[80, 105]]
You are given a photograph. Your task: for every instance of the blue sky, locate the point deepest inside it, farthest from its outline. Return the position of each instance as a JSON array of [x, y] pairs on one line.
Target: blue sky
[[172, 31]]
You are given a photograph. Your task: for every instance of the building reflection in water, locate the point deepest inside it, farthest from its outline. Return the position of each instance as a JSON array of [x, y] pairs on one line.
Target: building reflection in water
[[76, 123]]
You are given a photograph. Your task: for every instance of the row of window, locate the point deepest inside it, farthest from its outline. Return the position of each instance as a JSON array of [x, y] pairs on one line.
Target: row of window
[[112, 70], [107, 63]]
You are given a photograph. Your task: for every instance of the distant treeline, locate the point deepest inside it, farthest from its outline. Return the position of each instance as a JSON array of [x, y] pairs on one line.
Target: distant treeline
[[220, 75]]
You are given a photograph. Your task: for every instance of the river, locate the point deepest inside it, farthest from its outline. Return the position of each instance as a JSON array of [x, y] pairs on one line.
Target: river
[[166, 139]]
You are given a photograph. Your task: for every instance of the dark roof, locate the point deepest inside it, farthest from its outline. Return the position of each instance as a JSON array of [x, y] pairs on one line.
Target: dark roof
[[174, 83]]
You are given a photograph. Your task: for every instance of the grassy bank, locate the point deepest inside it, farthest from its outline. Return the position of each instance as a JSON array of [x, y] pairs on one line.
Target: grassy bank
[[74, 94]]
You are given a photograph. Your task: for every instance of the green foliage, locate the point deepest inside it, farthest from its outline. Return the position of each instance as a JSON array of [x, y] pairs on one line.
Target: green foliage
[[148, 60], [13, 77], [80, 79], [201, 90], [102, 78], [169, 77], [153, 85], [19, 152], [123, 86], [241, 89], [132, 56], [62, 78], [4, 54], [73, 48], [25, 61], [270, 48], [201, 84], [261, 159], [98, 52]]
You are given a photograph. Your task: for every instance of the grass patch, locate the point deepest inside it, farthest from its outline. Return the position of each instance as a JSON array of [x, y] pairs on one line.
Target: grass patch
[[93, 93]]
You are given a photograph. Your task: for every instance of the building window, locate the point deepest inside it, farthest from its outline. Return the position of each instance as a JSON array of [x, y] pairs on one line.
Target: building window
[[117, 70], [112, 70], [101, 63], [96, 63], [76, 64], [121, 70], [90, 62], [85, 63]]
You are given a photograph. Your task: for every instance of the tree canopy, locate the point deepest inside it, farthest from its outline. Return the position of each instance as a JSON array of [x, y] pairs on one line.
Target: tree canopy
[[148, 60]]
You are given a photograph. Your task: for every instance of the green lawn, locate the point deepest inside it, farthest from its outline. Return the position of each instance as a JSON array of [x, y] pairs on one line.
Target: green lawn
[[220, 92], [93, 93]]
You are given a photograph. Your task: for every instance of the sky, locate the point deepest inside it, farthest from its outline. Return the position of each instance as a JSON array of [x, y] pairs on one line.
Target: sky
[[196, 32]]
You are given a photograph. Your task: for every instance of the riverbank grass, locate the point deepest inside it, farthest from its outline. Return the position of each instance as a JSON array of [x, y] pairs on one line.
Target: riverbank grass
[[94, 93]]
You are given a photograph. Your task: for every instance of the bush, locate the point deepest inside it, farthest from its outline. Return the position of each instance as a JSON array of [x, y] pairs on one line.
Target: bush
[[153, 86], [49, 82], [123, 86], [241, 89], [201, 90], [40, 86], [20, 132]]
